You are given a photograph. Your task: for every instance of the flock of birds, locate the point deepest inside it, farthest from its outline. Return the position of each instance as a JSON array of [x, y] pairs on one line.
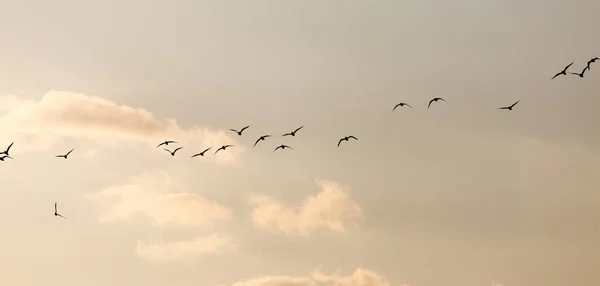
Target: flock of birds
[[5, 154]]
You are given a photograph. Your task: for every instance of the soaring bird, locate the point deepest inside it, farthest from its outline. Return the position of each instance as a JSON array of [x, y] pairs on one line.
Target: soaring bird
[[240, 132], [580, 74], [282, 147], [223, 148], [166, 143], [4, 157], [65, 155], [7, 149], [564, 71], [435, 100], [401, 104], [56, 211], [591, 61], [346, 139], [293, 133], [510, 107], [173, 152], [262, 138], [201, 153]]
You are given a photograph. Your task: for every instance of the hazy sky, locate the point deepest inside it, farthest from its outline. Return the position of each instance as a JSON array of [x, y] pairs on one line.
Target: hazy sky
[[458, 194]]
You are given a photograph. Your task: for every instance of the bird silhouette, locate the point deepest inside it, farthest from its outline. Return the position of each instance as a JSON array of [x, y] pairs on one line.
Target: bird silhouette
[[56, 211], [401, 104], [293, 133], [166, 143], [435, 100], [7, 149], [173, 152], [346, 139], [201, 153], [4, 157], [564, 71], [591, 61], [510, 107], [282, 147], [223, 148], [581, 73], [262, 138], [240, 132], [65, 155]]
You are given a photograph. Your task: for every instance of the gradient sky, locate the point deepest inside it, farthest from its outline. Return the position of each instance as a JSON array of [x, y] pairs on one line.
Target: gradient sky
[[458, 194]]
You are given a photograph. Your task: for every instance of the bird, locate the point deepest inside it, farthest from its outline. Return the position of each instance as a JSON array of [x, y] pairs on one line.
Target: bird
[[580, 74], [173, 152], [56, 211], [166, 143], [293, 133], [201, 153], [510, 107], [401, 104], [564, 71], [223, 148], [240, 132], [7, 149], [262, 138], [4, 157], [591, 61], [65, 155], [435, 100], [282, 147], [346, 139]]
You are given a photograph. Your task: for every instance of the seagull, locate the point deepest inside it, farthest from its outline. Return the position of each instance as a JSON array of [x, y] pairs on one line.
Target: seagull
[[4, 157], [201, 153], [240, 132], [223, 148], [591, 61], [7, 149], [564, 71], [401, 104], [346, 139], [435, 100], [261, 138], [173, 152], [166, 143], [65, 155], [510, 107], [282, 147], [56, 211], [293, 133], [580, 74]]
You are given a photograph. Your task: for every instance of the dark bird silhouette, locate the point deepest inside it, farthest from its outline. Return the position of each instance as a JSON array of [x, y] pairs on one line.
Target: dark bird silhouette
[[580, 74], [4, 157], [173, 152], [262, 138], [166, 143], [56, 211], [401, 104], [591, 62], [293, 133], [435, 100], [240, 132], [346, 139], [282, 147], [201, 153], [223, 148], [564, 71], [7, 149], [510, 107], [65, 155]]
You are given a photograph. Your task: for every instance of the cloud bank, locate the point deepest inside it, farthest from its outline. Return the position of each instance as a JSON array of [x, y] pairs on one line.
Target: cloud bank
[[360, 277], [188, 249]]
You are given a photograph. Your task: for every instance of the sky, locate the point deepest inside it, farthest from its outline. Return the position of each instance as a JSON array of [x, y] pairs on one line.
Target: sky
[[458, 194]]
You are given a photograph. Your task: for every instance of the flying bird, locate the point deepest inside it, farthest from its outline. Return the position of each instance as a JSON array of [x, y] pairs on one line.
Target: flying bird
[[435, 100], [201, 153], [7, 149], [65, 155], [166, 143], [293, 133], [173, 152], [591, 61], [262, 138], [580, 74], [346, 139], [4, 157], [56, 211], [401, 104], [223, 148], [282, 147], [240, 132], [564, 71], [510, 107]]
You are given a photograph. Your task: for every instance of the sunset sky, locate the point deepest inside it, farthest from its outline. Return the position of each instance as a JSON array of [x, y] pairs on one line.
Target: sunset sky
[[460, 194]]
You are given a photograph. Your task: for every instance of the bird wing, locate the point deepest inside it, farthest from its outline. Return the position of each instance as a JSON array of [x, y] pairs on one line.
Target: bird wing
[[286, 134], [286, 146], [565, 70], [396, 106], [340, 142], [55, 207], [557, 75], [59, 156], [233, 130], [408, 105], [244, 128], [257, 140], [505, 107], [206, 150], [430, 102], [513, 105], [298, 128], [178, 148], [276, 148], [195, 155], [168, 150], [170, 141], [227, 146], [442, 99], [8, 149], [353, 137], [219, 150], [163, 143], [69, 152], [60, 215]]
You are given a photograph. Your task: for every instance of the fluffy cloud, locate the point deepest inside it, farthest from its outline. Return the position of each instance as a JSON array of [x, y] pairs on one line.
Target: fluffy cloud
[[360, 277], [164, 252], [161, 200], [329, 208]]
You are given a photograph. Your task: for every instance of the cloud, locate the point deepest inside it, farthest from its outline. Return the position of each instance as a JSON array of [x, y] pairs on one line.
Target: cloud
[[160, 199], [188, 249], [329, 208], [360, 277]]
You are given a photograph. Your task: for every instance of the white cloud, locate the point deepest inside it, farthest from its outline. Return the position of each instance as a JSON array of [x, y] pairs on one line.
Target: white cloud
[[360, 277], [188, 249], [161, 199], [329, 208]]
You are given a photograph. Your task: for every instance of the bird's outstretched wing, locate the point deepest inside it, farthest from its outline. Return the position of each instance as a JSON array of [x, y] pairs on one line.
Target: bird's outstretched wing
[[258, 140], [298, 128], [196, 155], [340, 142], [69, 152], [556, 75], [234, 130], [442, 99], [206, 150], [278, 147], [353, 137], [430, 102], [219, 150], [287, 134], [168, 150], [513, 105], [8, 148], [244, 128], [396, 106], [60, 215], [163, 143], [504, 107], [408, 105], [55, 208], [177, 149], [567, 67]]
